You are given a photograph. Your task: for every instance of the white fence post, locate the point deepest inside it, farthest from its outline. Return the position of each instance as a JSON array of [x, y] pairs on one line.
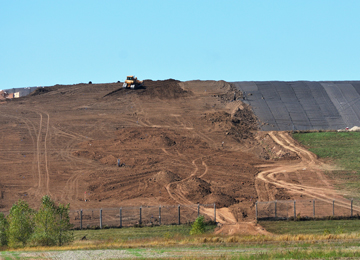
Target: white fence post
[[294, 209]]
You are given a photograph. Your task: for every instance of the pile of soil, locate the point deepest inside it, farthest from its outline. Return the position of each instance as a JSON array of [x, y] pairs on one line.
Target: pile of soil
[[195, 188], [203, 192], [162, 89], [220, 199], [164, 177], [270, 150], [40, 91], [240, 125]]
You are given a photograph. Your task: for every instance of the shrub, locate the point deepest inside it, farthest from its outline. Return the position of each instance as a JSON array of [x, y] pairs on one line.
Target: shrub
[[198, 227]]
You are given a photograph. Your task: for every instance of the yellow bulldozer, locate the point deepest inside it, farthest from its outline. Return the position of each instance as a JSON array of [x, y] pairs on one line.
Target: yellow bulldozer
[[132, 82]]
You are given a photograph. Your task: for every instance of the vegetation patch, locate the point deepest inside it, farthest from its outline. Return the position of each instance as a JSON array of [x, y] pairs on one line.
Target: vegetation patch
[[49, 226], [343, 149], [165, 232], [312, 227]]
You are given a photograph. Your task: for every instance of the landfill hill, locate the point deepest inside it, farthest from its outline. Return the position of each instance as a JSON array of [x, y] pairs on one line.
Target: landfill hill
[[177, 142]]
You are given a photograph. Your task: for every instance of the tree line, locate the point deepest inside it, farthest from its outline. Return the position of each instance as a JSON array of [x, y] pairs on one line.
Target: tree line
[[48, 226]]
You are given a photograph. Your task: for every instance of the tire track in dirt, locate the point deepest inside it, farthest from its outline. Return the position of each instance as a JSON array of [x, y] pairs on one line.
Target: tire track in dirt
[[46, 155], [223, 215], [31, 128], [71, 189], [309, 161], [38, 151]]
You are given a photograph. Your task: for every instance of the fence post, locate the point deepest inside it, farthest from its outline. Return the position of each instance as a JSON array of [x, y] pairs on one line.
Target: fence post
[[256, 211], [140, 220], [159, 215], [179, 215], [351, 208], [198, 210], [80, 219], [275, 208], [314, 208], [100, 218], [333, 208], [214, 212], [120, 217], [294, 209]]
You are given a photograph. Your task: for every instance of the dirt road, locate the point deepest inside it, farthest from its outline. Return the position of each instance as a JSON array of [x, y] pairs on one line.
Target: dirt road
[[303, 178]]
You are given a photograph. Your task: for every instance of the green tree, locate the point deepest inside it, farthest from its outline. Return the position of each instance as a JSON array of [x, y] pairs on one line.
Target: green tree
[[45, 223], [52, 224], [4, 226], [64, 228], [20, 223], [198, 227]]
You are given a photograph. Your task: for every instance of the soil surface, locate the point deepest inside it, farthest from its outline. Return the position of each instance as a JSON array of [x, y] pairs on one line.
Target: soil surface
[[177, 142]]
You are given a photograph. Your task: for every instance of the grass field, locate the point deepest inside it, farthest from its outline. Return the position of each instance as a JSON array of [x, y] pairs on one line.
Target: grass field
[[343, 148], [137, 233], [325, 239], [312, 227]]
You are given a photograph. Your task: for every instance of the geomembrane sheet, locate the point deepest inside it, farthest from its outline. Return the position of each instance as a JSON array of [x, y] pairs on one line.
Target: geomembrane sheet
[[303, 105]]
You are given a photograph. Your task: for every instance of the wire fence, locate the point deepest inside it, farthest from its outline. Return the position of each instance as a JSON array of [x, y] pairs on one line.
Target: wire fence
[[305, 209], [140, 216]]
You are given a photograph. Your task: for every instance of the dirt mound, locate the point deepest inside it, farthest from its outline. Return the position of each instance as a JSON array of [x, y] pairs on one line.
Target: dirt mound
[[240, 124], [162, 89], [195, 189], [269, 149], [40, 91], [164, 177], [244, 228], [220, 199], [109, 160]]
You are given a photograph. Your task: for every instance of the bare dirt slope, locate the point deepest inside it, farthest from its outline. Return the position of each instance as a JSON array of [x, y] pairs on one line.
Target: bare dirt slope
[[178, 143]]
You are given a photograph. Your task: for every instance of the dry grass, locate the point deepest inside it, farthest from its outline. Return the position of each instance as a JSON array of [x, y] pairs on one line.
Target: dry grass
[[196, 241]]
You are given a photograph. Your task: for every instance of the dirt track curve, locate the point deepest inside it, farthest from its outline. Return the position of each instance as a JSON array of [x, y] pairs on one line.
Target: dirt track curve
[[314, 183]]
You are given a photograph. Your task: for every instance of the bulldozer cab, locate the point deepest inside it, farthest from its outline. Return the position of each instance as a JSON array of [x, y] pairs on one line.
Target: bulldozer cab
[[132, 82]]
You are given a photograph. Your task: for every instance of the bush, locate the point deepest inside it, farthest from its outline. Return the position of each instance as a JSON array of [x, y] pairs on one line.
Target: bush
[[198, 227]]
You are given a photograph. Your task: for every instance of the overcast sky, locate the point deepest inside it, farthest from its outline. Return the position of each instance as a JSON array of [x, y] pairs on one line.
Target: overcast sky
[[45, 43]]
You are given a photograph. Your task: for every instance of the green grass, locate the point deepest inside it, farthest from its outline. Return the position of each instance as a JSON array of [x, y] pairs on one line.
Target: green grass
[[137, 233], [312, 226], [343, 148]]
